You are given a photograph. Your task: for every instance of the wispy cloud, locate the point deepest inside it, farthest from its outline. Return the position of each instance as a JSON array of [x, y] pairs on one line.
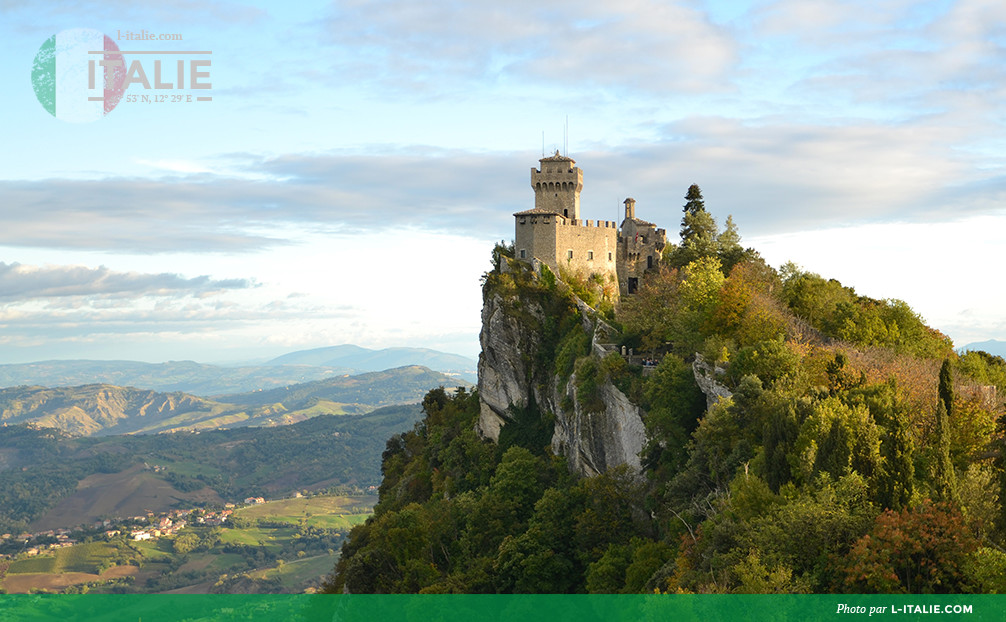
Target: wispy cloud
[[22, 282], [773, 175], [217, 213], [644, 44]]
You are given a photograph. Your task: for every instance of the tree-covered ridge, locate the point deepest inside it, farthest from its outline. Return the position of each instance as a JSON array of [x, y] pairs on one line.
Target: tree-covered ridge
[[857, 451], [39, 467]]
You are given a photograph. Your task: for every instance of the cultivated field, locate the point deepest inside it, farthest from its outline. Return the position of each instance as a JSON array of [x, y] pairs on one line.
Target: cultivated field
[[280, 546]]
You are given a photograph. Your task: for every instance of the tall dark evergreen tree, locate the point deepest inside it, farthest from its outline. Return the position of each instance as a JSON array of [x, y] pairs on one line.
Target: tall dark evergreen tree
[[699, 233], [944, 479], [695, 203], [896, 481], [946, 388]]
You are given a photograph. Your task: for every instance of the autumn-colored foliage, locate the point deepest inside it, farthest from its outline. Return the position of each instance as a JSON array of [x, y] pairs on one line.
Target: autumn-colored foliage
[[921, 550]]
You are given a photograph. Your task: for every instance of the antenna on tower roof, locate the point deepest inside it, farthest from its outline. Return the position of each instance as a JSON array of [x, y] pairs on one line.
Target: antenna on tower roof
[[543, 143], [565, 138]]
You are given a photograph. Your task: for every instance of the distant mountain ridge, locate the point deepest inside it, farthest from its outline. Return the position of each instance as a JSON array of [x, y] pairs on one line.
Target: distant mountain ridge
[[102, 409], [992, 346], [365, 359], [380, 388], [208, 380], [187, 376]]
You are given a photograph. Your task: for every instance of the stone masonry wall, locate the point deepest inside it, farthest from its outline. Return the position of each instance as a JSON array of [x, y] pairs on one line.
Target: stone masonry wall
[[594, 245]]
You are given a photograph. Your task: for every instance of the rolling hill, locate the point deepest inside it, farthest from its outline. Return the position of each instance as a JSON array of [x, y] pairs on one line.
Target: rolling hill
[[52, 480], [103, 410]]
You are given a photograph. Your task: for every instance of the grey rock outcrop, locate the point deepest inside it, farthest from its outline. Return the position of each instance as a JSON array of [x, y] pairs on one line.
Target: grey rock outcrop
[[504, 371], [593, 442], [596, 441], [706, 377]]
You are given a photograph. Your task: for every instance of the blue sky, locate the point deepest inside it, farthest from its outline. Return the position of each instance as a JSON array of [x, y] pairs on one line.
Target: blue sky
[[358, 160]]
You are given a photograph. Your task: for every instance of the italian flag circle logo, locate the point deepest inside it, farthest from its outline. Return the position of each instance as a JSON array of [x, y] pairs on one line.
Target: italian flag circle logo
[[78, 75]]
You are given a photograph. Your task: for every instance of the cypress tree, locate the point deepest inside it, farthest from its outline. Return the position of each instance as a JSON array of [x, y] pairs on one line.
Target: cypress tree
[[896, 482], [944, 479], [946, 389]]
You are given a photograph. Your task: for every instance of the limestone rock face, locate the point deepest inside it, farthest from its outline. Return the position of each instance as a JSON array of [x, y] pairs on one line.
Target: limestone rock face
[[596, 441], [593, 442], [705, 377], [503, 368]]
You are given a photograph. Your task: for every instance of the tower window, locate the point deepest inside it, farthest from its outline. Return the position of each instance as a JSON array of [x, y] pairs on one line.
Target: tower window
[[523, 254], [569, 254], [609, 256], [590, 255]]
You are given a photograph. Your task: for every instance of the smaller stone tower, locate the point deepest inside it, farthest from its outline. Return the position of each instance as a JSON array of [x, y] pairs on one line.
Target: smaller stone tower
[[557, 185], [630, 209]]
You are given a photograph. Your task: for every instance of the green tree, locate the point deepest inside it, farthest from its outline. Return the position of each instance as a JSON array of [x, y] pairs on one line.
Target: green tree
[[728, 246], [695, 202], [185, 543], [896, 482], [780, 435], [700, 297], [543, 558], [837, 439], [627, 568], [698, 239], [651, 317], [675, 406], [944, 478]]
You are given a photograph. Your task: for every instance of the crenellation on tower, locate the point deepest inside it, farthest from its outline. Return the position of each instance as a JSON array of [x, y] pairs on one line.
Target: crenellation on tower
[[557, 185]]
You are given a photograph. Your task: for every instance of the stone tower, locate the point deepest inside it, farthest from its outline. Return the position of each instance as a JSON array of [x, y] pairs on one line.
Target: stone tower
[[630, 209], [557, 185]]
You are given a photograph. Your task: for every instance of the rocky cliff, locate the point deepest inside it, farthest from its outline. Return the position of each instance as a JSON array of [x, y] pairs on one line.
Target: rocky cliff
[[521, 367], [530, 336]]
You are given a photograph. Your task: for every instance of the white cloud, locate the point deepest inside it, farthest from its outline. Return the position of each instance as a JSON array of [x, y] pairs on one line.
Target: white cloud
[[938, 268], [26, 282], [642, 44]]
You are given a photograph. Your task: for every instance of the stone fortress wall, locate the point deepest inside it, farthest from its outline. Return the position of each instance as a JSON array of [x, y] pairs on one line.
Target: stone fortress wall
[[570, 244]]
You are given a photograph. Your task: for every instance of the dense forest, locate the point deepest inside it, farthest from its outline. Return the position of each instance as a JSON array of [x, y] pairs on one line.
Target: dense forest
[[858, 451]]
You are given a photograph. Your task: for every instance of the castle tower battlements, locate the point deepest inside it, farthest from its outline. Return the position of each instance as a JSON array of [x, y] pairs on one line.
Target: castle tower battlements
[[557, 185]]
